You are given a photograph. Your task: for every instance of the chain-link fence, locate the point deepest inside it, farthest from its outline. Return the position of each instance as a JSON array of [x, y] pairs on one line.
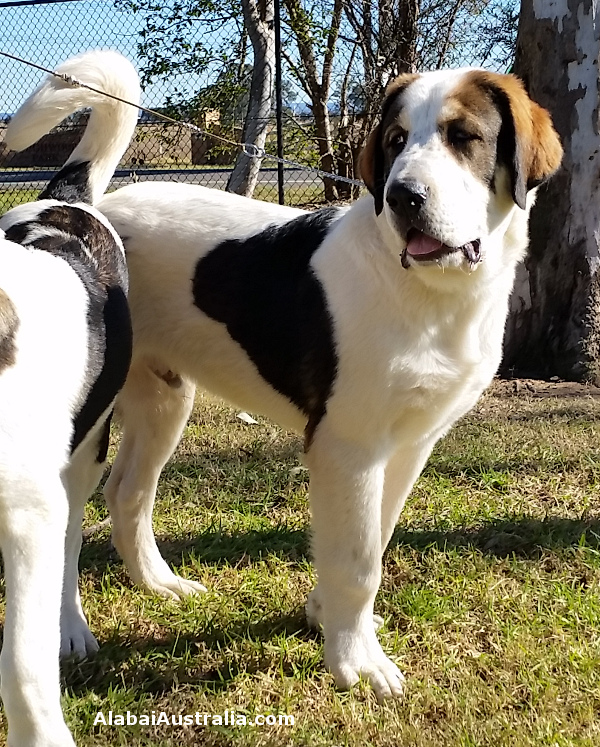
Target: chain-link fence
[[299, 80]]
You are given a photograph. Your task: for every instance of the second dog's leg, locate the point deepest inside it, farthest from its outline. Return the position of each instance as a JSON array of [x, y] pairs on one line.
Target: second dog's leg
[[32, 537], [154, 407], [80, 478]]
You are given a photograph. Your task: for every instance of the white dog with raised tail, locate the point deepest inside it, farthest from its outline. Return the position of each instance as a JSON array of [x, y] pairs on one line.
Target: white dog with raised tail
[[65, 348]]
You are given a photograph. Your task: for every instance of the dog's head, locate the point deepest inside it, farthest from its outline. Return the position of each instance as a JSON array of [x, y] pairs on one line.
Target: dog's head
[[453, 154]]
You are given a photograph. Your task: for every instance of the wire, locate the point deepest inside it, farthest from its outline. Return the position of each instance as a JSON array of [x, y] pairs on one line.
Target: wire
[[249, 149]]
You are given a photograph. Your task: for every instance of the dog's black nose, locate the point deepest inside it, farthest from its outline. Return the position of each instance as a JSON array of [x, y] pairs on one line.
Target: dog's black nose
[[406, 198]]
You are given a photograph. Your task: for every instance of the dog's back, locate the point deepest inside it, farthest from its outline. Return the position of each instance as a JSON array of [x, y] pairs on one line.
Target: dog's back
[[64, 224]]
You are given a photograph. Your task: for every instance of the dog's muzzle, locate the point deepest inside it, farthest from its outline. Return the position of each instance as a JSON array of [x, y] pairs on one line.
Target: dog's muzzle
[[424, 248], [407, 200]]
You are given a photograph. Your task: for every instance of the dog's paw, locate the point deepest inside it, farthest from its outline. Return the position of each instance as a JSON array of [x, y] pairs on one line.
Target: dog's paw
[[314, 612], [174, 587], [350, 658], [76, 639]]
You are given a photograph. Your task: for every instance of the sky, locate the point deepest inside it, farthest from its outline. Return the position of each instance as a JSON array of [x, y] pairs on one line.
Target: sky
[[51, 33]]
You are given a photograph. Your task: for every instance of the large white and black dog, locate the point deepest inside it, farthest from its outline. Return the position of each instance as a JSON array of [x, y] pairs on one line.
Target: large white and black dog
[[65, 347], [370, 328]]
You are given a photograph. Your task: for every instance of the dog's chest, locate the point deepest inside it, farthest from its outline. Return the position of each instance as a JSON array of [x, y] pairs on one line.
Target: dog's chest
[[430, 388]]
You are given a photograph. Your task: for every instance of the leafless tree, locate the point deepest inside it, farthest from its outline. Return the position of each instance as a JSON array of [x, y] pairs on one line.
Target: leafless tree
[[258, 21]]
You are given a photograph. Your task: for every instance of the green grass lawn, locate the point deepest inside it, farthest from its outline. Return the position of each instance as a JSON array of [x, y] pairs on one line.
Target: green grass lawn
[[490, 592]]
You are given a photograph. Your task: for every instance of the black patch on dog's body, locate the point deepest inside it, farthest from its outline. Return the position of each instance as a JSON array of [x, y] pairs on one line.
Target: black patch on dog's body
[[263, 289], [104, 278], [71, 184]]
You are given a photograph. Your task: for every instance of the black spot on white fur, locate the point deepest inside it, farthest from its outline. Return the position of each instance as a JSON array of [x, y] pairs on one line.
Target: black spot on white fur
[[87, 245], [71, 184], [265, 292], [9, 323]]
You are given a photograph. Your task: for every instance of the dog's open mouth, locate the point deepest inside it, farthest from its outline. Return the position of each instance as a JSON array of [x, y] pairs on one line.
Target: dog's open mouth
[[424, 248]]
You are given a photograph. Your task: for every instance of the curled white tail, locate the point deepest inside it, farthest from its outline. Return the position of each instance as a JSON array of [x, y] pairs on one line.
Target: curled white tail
[[111, 123]]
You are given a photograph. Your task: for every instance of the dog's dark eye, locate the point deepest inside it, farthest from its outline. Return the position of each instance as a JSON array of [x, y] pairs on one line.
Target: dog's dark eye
[[398, 141], [458, 136]]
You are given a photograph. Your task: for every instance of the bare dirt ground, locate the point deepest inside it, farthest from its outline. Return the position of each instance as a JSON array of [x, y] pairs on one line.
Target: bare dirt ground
[[535, 388]]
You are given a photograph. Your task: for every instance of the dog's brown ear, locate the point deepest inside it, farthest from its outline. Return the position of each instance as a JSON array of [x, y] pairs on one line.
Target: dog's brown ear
[[371, 164], [528, 142], [371, 167]]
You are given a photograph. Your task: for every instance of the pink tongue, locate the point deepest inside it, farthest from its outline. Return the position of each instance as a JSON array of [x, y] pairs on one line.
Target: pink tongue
[[420, 244]]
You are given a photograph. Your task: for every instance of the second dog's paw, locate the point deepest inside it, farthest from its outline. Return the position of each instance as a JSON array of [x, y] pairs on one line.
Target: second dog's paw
[[76, 639]]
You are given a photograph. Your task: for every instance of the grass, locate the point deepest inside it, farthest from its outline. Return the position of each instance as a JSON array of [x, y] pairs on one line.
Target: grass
[[490, 593], [9, 198]]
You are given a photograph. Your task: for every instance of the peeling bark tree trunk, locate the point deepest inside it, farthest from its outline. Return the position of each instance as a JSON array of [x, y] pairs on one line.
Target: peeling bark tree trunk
[[554, 324], [258, 18]]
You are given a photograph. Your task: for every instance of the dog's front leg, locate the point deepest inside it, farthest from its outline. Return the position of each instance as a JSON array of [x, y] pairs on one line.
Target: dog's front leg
[[32, 537], [346, 489], [401, 473]]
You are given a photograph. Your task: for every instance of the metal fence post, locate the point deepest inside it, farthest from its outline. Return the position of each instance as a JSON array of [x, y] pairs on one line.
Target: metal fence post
[[278, 101]]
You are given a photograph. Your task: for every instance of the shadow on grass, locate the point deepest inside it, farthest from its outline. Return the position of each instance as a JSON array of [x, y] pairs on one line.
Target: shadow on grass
[[575, 414], [525, 537], [216, 548], [478, 470], [155, 666]]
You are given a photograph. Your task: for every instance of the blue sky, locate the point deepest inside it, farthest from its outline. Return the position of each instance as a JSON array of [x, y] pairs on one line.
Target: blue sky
[[49, 34]]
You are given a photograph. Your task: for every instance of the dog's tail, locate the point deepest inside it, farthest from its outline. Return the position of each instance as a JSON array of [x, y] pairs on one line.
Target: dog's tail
[[86, 174]]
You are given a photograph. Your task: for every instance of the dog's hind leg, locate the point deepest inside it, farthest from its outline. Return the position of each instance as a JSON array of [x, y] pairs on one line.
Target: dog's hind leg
[[153, 406], [32, 535], [80, 478]]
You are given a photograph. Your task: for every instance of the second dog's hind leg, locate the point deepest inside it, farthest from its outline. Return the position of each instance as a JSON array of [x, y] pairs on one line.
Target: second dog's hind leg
[[154, 406], [80, 479]]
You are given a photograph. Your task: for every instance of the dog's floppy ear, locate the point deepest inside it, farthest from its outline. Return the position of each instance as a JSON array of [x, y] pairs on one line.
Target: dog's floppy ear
[[371, 167], [528, 143], [371, 164]]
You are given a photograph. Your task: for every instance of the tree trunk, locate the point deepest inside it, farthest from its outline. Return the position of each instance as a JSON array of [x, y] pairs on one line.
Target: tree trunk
[[407, 38], [317, 85], [258, 18], [554, 324]]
